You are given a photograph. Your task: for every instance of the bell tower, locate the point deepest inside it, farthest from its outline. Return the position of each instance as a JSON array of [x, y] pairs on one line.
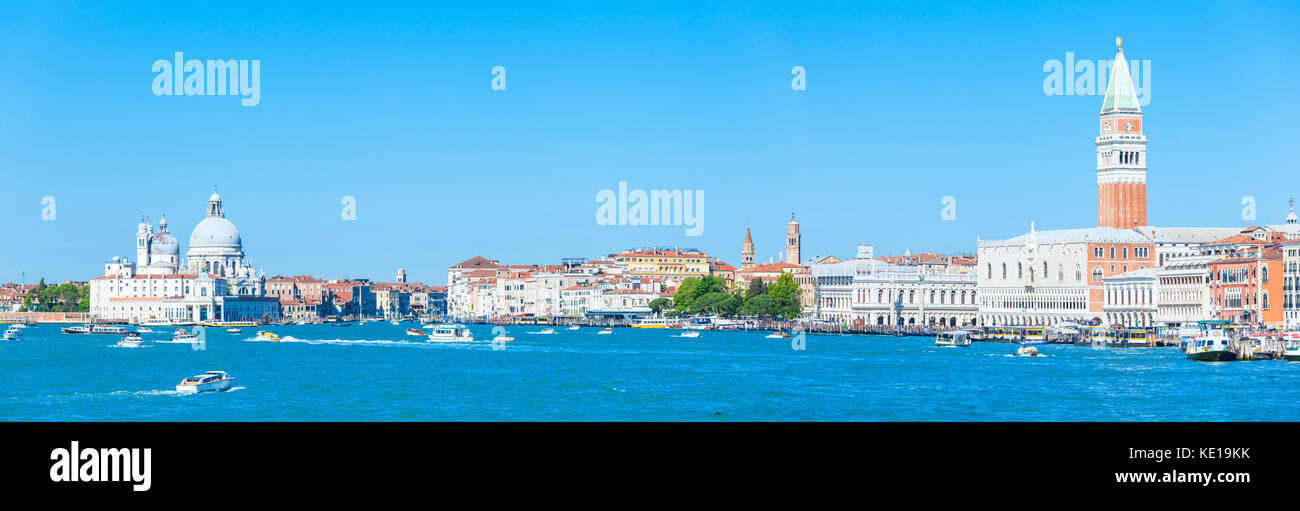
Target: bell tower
[[747, 250], [1121, 152], [792, 242]]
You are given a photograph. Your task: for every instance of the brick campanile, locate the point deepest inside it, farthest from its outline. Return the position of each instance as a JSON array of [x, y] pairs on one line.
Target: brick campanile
[[1121, 152]]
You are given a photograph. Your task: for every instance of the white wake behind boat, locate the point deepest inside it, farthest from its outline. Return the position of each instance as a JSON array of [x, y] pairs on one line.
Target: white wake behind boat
[[210, 381], [690, 334]]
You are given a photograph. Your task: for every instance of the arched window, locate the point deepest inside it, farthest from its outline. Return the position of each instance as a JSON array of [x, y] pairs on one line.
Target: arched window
[[990, 271], [1020, 271], [1078, 273], [1096, 274], [1060, 273], [1004, 271]]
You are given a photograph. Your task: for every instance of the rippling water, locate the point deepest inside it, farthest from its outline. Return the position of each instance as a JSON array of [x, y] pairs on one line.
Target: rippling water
[[376, 372]]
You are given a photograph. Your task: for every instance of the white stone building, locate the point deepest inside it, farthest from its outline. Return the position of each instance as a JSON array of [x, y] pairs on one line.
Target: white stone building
[[867, 293], [1182, 291], [1130, 298]]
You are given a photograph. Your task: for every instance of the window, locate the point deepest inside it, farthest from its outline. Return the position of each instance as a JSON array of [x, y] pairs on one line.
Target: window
[[1096, 274], [1125, 252], [1078, 273], [1097, 252], [1020, 271], [1004, 271], [1112, 252]]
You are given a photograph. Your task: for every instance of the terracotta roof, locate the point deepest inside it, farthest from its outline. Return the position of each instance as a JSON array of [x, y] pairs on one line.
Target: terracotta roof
[[477, 262]]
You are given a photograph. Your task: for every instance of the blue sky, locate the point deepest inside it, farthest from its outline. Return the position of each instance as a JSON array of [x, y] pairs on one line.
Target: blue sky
[[906, 102]]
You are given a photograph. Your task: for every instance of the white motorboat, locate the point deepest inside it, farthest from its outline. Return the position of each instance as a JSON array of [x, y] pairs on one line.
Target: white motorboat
[[130, 340], [210, 381], [79, 329], [503, 338], [183, 335], [690, 334], [547, 331], [1027, 351], [605, 331], [953, 339], [451, 333], [777, 335], [574, 327], [144, 330], [13, 333], [108, 329]]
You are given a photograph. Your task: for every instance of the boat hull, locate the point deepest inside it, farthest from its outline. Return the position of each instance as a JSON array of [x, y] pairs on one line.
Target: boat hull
[[1213, 356], [215, 386]]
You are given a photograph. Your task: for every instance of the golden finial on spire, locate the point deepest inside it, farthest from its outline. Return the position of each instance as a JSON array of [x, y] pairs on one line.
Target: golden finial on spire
[[1119, 42]]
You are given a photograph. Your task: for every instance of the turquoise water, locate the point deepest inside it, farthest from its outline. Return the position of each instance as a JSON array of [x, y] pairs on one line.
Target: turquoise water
[[375, 372]]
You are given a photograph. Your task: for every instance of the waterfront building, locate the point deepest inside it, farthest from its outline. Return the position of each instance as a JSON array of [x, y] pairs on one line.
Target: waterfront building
[[1052, 277], [1131, 298], [215, 282], [769, 273], [1291, 284], [1182, 291], [865, 292], [934, 263], [351, 297], [668, 264], [1244, 286], [719, 268], [1121, 152]]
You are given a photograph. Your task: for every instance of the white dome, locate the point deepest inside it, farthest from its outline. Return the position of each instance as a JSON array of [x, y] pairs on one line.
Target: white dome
[[164, 243], [215, 231], [214, 197]]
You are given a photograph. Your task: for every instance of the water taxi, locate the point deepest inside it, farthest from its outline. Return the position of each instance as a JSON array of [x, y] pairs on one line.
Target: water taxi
[[953, 339], [229, 324], [79, 329], [183, 335], [1027, 351], [690, 334], [268, 336], [651, 323], [210, 381], [130, 340], [605, 331], [1133, 338], [108, 329], [451, 333], [13, 333], [415, 331]]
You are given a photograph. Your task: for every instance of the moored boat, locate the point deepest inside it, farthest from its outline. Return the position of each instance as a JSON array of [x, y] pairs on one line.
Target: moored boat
[[210, 381], [1291, 348], [1212, 344], [651, 323]]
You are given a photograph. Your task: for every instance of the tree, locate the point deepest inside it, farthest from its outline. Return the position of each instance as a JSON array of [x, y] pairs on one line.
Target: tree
[[761, 305], [786, 295], [659, 305], [756, 287]]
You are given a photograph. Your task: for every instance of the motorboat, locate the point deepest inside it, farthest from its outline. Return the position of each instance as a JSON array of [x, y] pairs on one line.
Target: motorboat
[[574, 327], [229, 324], [777, 335], [234, 330], [183, 335], [13, 333], [547, 331], [130, 340], [108, 329], [953, 339], [451, 333], [144, 330], [268, 336], [416, 332], [210, 381], [503, 338], [395, 322], [605, 331], [1027, 351], [79, 329], [690, 334]]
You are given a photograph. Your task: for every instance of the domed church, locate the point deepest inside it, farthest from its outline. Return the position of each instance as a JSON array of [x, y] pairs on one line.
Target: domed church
[[213, 282]]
